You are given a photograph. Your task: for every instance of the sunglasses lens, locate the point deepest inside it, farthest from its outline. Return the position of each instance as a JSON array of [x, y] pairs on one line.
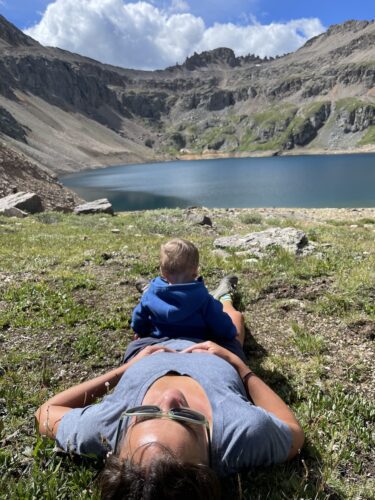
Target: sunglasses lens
[[186, 413], [142, 412]]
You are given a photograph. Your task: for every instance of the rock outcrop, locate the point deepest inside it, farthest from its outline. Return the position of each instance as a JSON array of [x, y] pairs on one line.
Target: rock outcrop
[[291, 239], [25, 202], [102, 206], [356, 119]]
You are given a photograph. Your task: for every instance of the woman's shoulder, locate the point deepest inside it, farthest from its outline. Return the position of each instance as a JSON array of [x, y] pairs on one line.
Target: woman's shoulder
[[249, 436]]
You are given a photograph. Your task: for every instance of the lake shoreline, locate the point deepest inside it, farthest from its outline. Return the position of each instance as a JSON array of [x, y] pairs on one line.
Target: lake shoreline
[[120, 162], [270, 153], [311, 215]]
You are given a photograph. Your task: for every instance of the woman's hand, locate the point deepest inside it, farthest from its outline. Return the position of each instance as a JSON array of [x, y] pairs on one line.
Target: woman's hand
[[147, 351], [212, 348]]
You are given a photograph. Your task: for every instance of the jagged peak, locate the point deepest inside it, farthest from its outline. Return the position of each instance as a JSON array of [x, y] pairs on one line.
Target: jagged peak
[[222, 56], [12, 36]]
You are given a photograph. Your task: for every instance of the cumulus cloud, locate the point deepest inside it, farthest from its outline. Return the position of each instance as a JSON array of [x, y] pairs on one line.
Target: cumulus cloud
[[263, 40], [142, 35]]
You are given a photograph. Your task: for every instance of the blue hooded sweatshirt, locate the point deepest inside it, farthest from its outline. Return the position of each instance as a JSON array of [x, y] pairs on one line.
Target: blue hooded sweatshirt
[[183, 310]]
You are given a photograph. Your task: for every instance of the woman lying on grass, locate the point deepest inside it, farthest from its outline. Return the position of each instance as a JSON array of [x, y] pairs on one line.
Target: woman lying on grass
[[181, 414]]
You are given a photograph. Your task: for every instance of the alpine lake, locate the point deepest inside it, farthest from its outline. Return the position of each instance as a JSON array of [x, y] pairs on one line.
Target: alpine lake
[[311, 181]]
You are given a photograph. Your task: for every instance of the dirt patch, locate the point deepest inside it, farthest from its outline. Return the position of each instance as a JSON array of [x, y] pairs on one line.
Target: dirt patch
[[363, 328], [282, 290]]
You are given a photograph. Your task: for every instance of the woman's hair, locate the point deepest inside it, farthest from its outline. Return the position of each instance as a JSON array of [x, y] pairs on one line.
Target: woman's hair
[[178, 257], [165, 479]]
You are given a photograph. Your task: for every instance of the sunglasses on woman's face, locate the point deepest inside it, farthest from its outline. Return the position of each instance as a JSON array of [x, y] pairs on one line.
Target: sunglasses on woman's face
[[147, 412]]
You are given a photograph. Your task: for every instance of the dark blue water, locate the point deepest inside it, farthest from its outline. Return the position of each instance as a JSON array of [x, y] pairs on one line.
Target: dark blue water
[[288, 181]]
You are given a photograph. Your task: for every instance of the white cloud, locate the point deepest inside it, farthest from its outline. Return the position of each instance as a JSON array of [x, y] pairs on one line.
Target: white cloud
[[262, 40], [141, 35]]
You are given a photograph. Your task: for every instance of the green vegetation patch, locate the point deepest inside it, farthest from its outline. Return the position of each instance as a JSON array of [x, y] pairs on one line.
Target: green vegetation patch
[[351, 104], [368, 137]]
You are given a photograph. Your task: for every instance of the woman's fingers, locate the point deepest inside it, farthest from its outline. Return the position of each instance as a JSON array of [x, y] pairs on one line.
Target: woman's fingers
[[151, 349], [162, 349], [203, 346], [158, 348]]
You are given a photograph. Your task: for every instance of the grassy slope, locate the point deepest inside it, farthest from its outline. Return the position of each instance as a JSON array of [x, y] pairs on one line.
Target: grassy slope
[[66, 295]]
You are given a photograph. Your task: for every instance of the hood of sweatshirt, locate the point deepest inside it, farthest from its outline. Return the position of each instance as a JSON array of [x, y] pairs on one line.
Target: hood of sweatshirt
[[174, 303]]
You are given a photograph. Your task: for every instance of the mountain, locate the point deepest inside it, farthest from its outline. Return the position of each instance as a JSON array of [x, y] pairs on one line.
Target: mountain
[[67, 112]]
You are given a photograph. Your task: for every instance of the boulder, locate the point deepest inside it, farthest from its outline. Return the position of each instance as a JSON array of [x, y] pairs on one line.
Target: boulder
[[200, 220], [13, 212], [27, 202], [289, 238], [102, 206]]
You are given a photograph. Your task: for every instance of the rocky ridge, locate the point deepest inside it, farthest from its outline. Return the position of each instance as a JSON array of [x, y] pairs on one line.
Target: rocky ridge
[[69, 112]]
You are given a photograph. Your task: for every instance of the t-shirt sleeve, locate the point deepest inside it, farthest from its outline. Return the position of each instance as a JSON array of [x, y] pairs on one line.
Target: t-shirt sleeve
[[252, 438], [81, 433]]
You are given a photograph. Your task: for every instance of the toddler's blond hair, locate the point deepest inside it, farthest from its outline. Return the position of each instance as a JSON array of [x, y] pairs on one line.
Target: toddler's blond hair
[[179, 260]]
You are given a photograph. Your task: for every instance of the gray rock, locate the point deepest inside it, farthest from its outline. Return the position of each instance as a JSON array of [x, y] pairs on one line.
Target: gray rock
[[102, 206], [27, 202], [200, 220], [220, 100], [291, 239], [13, 212], [10, 126]]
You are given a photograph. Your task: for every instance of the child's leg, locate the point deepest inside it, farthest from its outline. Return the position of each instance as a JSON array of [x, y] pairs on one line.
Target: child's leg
[[237, 319]]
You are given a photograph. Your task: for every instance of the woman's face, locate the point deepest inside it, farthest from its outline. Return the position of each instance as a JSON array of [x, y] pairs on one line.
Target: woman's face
[[145, 438]]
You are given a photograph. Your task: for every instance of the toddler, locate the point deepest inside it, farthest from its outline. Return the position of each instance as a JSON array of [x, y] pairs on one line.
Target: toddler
[[177, 303]]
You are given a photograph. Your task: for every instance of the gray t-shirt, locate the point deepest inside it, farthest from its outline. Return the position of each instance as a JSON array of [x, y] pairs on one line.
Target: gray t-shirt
[[243, 435]]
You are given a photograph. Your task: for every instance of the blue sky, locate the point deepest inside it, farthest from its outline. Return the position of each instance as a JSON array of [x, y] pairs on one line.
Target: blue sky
[[25, 13], [152, 34]]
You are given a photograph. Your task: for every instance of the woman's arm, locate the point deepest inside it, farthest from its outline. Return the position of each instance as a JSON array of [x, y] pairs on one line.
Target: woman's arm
[[266, 398], [49, 414], [259, 392]]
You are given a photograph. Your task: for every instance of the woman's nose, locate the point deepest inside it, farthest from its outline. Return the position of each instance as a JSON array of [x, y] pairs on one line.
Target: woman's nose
[[172, 398]]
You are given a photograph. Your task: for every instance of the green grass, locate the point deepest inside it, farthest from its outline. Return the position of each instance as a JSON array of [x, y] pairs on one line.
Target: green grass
[[66, 297], [306, 342], [247, 218], [368, 137], [351, 104]]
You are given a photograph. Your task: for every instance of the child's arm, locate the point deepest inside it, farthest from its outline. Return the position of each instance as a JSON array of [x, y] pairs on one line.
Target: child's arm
[[218, 321], [141, 322]]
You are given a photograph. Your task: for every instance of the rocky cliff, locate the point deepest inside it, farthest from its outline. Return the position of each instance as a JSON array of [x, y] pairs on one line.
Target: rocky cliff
[[68, 112]]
